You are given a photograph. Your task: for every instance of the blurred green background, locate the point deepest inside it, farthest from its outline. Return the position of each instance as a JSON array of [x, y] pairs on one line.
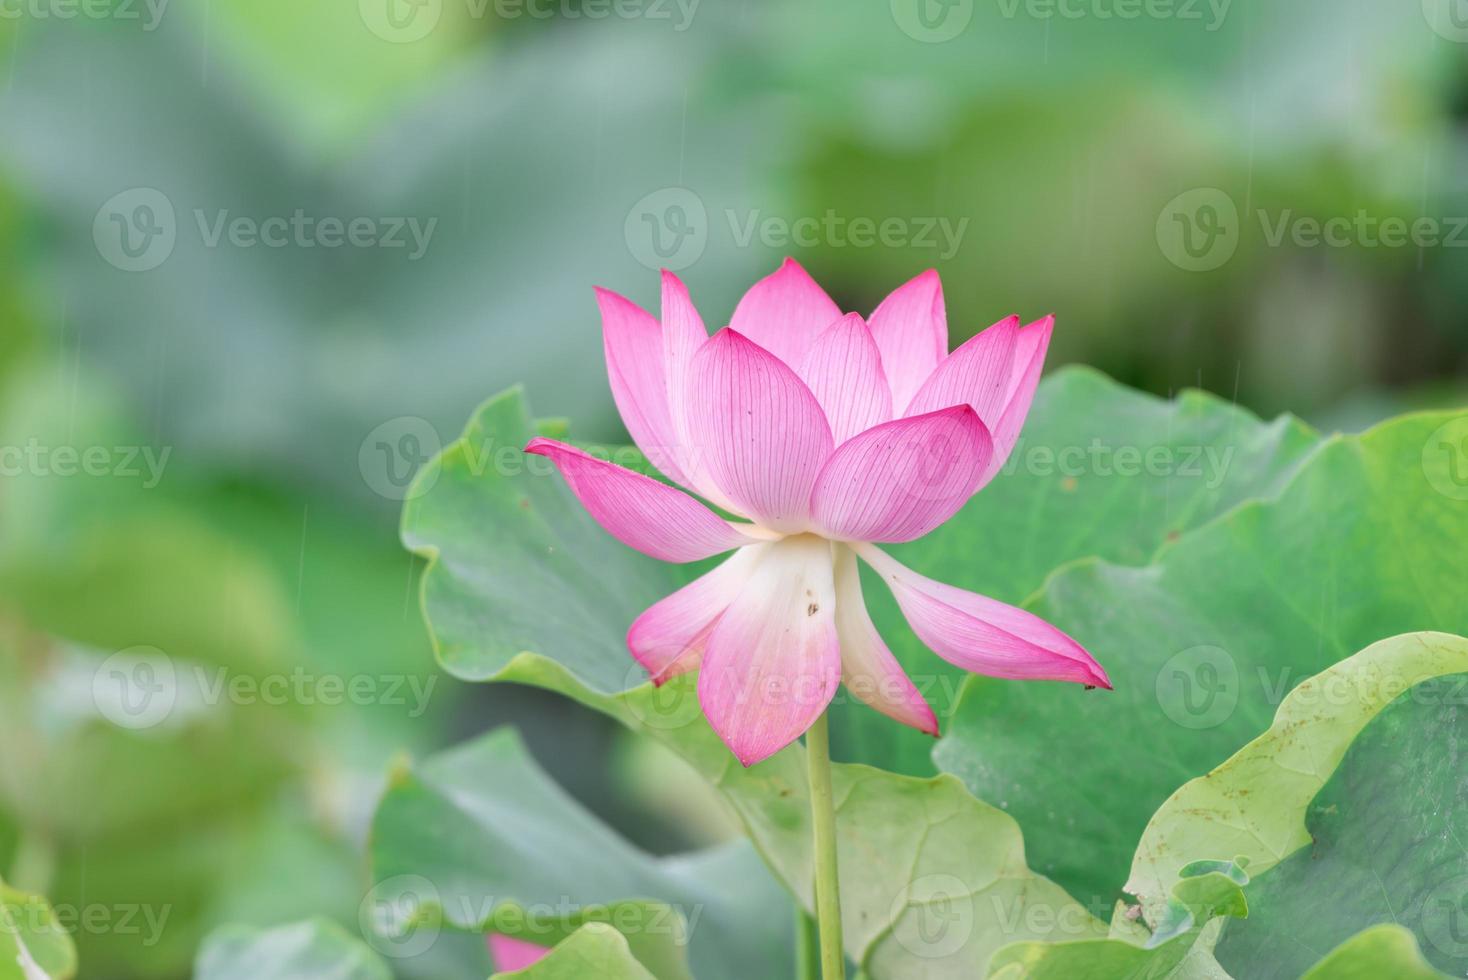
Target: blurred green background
[[261, 258]]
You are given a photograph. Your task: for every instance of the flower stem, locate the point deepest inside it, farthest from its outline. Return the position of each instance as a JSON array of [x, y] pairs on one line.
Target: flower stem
[[823, 823]]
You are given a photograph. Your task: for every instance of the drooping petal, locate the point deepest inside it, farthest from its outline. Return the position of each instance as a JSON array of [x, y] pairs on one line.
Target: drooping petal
[[784, 312], [635, 367], [981, 634], [868, 669], [772, 663], [510, 954], [637, 510], [903, 478], [910, 327], [669, 637], [1029, 360], [844, 371], [757, 429], [977, 374]]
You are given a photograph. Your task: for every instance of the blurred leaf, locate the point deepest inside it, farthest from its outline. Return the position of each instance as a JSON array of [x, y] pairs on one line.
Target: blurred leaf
[[511, 853], [33, 944], [1203, 644], [301, 359], [305, 951]]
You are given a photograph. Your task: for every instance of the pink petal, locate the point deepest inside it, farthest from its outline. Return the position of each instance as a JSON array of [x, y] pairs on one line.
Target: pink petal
[[981, 634], [772, 663], [637, 510], [1029, 359], [634, 348], [669, 637], [784, 312], [977, 374], [758, 430], [911, 330], [683, 335], [844, 371], [868, 669], [510, 954], [903, 478]]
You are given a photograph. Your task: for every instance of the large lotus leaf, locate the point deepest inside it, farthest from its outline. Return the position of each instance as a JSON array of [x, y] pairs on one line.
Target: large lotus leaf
[[1204, 644], [479, 839], [1350, 810]]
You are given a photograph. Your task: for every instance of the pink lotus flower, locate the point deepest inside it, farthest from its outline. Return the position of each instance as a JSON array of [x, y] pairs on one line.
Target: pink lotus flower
[[826, 433]]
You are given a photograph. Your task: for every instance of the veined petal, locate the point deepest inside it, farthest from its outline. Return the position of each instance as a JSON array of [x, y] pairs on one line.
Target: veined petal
[[669, 637], [844, 371], [757, 429], [903, 478], [868, 669], [784, 312], [683, 335], [977, 374], [910, 327], [635, 368], [1029, 359], [981, 634], [637, 510], [772, 663]]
